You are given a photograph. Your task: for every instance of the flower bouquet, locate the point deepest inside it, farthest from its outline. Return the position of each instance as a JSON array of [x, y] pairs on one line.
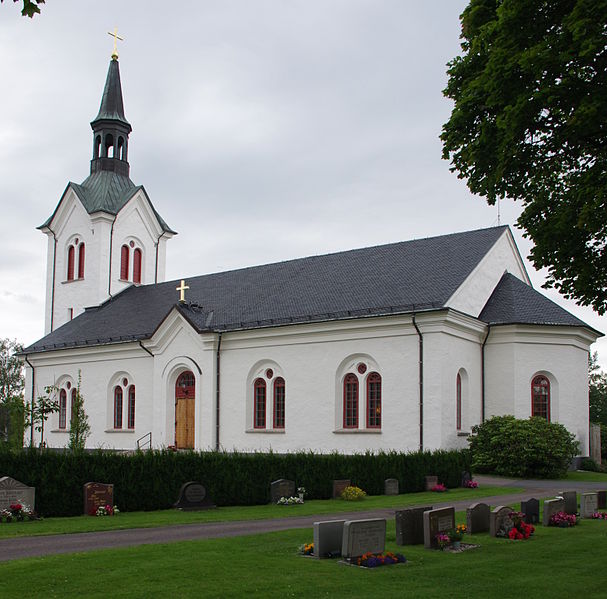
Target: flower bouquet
[[373, 560], [440, 488], [562, 520]]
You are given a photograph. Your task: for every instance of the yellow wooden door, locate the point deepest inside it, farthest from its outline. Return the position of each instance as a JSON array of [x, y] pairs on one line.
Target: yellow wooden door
[[184, 423]]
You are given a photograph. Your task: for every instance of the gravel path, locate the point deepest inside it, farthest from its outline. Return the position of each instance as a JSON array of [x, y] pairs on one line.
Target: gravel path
[[17, 548]]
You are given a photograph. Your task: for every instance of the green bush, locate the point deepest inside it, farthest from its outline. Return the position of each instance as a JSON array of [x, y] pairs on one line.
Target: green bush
[[532, 448], [353, 494], [590, 465], [151, 480]]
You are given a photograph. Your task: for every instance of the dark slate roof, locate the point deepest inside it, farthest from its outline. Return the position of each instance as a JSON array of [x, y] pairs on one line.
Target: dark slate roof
[[112, 106], [397, 278], [515, 302]]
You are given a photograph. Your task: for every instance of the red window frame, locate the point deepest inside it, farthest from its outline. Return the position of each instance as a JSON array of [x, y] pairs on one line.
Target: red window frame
[[350, 401], [81, 261], [374, 400], [458, 402], [62, 408], [117, 407], [540, 397], [259, 404], [279, 402], [137, 265], [131, 408], [185, 386], [70, 263], [124, 263]]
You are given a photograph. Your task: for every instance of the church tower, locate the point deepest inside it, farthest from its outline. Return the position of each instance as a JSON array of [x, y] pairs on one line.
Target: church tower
[[104, 234]]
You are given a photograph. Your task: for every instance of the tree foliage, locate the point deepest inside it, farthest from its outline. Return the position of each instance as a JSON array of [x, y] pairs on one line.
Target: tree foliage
[[80, 428], [43, 406], [30, 7], [530, 122], [533, 448], [11, 393], [597, 391]]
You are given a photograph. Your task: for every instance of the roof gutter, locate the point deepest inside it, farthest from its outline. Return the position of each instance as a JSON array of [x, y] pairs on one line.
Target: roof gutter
[[483, 373], [421, 384], [32, 402], [217, 381], [145, 348]]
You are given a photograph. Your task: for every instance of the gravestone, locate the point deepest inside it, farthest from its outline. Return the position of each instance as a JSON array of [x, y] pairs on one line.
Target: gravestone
[[437, 521], [551, 507], [602, 499], [391, 486], [589, 503], [570, 498], [499, 520], [466, 478], [97, 495], [281, 488], [193, 496], [328, 538], [363, 536], [12, 491], [477, 518], [339, 486], [410, 525], [531, 510], [431, 481]]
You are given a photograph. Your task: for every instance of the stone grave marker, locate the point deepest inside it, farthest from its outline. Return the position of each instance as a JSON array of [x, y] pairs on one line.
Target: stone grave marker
[[362, 536], [570, 498], [193, 496], [328, 538], [410, 525], [552, 506], [14, 491], [477, 518], [589, 503], [339, 486], [281, 488], [436, 521], [431, 481], [97, 495], [499, 519], [602, 499], [466, 478], [531, 510], [391, 486]]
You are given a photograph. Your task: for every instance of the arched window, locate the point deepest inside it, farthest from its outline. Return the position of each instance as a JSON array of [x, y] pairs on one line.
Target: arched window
[[137, 266], [120, 148], [350, 401], [73, 407], [259, 404], [70, 263], [124, 263], [185, 386], [540, 397], [81, 261], [109, 146], [279, 403], [374, 400], [131, 408], [458, 402], [62, 408], [97, 146], [117, 407]]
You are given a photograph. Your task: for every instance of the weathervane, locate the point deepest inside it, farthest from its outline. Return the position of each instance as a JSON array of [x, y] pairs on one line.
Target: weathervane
[[116, 38], [181, 290]]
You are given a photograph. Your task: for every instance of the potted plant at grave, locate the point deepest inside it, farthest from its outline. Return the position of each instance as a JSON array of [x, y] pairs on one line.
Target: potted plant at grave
[[301, 491], [456, 535], [443, 540]]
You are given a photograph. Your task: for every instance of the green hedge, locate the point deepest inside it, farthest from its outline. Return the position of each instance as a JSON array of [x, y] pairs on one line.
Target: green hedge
[[151, 480]]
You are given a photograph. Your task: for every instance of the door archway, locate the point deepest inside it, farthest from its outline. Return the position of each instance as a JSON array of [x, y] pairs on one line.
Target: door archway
[[185, 393]]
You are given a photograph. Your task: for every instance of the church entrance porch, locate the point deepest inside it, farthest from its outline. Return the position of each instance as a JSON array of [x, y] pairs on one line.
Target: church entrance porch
[[185, 392]]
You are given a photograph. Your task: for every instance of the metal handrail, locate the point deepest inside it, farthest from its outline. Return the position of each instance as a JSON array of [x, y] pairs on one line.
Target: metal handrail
[[142, 444]]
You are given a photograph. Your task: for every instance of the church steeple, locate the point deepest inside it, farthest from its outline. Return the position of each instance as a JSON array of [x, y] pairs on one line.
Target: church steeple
[[110, 127]]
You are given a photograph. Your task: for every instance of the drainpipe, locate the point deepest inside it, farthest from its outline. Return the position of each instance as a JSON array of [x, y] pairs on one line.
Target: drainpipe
[[145, 348], [109, 281], [31, 404], [156, 265], [217, 381], [421, 385], [483, 374], [53, 287]]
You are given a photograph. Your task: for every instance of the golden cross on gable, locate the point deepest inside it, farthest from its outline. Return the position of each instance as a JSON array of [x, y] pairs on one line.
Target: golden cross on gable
[[116, 38], [181, 290]]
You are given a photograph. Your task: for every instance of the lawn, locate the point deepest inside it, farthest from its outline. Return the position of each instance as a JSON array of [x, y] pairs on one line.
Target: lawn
[[585, 475], [554, 563]]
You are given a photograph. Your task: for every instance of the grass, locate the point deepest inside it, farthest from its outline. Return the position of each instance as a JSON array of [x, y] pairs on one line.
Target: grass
[[585, 475], [554, 563], [124, 520]]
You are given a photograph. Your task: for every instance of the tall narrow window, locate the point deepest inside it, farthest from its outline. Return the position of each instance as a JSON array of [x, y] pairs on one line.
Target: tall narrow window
[[73, 407], [118, 407], [259, 404], [131, 407], [374, 400], [540, 397], [458, 402], [62, 408], [70, 263], [350, 401], [137, 266], [81, 261], [279, 403], [124, 263]]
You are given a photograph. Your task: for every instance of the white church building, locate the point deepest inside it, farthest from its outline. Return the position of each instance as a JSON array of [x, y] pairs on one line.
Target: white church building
[[399, 347]]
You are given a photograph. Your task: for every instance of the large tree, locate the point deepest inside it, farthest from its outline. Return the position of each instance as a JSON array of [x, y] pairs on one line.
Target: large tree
[[597, 391], [530, 123], [11, 393], [30, 7]]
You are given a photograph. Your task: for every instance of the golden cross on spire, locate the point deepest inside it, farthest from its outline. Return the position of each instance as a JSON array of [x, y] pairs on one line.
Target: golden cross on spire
[[116, 38], [181, 290]]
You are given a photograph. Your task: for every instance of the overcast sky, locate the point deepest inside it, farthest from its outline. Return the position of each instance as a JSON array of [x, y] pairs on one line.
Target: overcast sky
[[263, 130]]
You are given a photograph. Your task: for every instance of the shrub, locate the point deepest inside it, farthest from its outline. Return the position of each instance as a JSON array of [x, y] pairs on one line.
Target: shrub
[[353, 494], [590, 465], [525, 448]]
